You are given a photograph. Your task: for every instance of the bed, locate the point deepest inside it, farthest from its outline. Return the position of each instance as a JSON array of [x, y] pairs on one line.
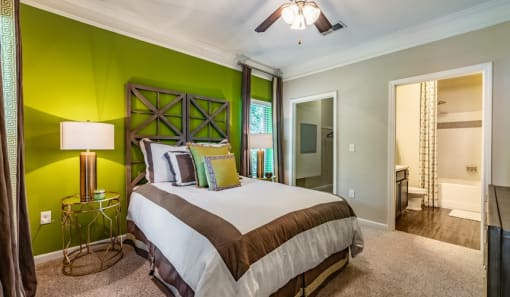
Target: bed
[[259, 239]]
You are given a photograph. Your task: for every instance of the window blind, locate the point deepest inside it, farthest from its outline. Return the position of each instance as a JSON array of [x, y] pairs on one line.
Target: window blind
[[261, 121]]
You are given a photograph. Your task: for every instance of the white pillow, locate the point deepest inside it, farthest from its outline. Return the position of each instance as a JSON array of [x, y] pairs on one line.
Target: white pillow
[[157, 168]]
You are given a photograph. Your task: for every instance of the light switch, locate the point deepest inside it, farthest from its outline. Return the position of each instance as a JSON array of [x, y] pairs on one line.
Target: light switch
[[352, 147]]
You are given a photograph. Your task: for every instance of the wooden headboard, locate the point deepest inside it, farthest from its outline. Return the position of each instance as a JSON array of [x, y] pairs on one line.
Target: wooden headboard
[[170, 117]]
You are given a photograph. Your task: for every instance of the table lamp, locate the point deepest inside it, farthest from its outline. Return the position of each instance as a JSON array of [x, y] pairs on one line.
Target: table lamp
[[86, 136], [261, 141]]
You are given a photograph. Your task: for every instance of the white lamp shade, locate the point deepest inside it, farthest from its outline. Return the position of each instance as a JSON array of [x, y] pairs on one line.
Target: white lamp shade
[[299, 23], [261, 141], [86, 135], [311, 13], [289, 13]]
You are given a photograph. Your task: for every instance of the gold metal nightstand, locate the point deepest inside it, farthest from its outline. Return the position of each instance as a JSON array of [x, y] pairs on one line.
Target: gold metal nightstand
[[79, 222]]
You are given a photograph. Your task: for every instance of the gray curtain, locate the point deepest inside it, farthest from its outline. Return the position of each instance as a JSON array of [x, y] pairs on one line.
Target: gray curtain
[[17, 271], [278, 128], [245, 121]]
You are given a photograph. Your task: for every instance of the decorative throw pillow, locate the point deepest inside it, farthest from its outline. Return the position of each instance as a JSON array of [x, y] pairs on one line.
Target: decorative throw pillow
[[181, 165], [221, 172], [157, 168], [199, 151]]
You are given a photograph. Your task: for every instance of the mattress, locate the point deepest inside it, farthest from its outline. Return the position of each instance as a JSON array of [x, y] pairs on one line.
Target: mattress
[[245, 241]]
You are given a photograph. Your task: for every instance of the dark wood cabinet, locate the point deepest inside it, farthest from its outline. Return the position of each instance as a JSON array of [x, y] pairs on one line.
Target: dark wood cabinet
[[498, 238], [403, 194], [401, 191]]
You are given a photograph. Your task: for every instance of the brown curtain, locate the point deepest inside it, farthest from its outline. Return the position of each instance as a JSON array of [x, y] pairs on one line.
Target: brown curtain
[[17, 271], [278, 128], [245, 121]]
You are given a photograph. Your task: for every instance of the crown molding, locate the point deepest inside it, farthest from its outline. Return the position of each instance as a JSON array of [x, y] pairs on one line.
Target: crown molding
[[193, 48], [478, 17]]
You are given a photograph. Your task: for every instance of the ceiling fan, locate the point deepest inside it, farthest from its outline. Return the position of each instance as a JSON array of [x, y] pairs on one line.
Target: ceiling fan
[[298, 14]]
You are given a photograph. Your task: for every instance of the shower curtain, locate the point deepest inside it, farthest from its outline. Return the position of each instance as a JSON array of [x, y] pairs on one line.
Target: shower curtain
[[428, 148]]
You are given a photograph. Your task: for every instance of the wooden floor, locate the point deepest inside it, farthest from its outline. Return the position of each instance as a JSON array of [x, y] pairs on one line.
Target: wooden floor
[[435, 223]]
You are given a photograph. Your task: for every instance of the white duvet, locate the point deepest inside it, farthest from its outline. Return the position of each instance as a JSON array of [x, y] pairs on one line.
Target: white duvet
[[248, 207]]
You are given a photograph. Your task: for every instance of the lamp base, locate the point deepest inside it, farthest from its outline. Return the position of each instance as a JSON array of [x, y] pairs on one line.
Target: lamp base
[[260, 163], [88, 175]]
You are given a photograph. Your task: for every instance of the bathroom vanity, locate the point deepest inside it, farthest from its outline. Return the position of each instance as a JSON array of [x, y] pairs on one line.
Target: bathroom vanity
[[401, 189], [498, 238]]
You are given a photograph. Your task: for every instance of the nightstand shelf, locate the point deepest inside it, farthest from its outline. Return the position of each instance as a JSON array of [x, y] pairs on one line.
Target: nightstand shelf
[[79, 222]]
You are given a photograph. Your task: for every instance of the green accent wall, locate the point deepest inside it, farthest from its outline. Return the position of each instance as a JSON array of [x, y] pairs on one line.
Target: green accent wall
[[261, 89], [74, 71]]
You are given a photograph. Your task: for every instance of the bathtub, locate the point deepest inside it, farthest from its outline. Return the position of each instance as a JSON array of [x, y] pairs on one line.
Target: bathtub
[[460, 194]]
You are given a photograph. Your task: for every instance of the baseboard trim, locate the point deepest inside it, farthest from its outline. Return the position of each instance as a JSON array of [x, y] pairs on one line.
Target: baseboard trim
[[373, 224], [55, 255], [44, 258]]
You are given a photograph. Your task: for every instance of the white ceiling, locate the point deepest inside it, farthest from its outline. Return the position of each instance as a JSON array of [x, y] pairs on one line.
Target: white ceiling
[[221, 30]]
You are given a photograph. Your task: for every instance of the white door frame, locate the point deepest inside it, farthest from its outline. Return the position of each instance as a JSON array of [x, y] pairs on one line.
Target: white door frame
[[486, 176], [293, 131]]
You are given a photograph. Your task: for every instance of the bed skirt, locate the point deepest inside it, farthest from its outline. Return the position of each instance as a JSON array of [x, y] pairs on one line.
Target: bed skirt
[[168, 280]]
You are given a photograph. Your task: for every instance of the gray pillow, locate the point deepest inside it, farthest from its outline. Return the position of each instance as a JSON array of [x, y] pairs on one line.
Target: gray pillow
[[181, 165]]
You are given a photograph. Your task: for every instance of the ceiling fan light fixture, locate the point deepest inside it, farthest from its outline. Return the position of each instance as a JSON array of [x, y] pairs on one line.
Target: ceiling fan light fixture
[[311, 13], [289, 13], [299, 22], [299, 14]]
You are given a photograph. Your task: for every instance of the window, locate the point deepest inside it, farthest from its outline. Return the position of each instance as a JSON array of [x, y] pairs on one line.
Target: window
[[261, 121]]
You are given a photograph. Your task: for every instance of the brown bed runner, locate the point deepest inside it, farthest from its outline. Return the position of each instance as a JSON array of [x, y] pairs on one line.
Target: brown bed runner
[[239, 251]]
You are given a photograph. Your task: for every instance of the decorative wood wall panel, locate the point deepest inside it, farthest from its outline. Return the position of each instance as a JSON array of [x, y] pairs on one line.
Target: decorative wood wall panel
[[208, 119], [170, 117]]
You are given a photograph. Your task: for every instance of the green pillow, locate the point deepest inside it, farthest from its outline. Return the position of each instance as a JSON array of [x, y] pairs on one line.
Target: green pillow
[[199, 151], [221, 172]]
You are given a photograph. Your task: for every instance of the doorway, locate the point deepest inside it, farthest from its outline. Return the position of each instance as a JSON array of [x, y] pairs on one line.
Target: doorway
[[313, 142], [447, 157]]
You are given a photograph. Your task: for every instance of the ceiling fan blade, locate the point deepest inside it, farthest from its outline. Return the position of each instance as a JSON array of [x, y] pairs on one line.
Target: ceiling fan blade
[[270, 20], [322, 23]]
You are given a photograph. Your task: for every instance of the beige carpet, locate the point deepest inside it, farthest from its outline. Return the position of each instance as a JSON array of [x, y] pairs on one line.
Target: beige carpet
[[392, 264]]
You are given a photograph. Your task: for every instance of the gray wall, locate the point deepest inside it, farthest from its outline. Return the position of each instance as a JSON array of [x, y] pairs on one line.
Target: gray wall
[[363, 108]]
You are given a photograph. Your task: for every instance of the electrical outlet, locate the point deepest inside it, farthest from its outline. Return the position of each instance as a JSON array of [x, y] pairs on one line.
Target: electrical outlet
[[352, 194], [352, 147], [45, 217]]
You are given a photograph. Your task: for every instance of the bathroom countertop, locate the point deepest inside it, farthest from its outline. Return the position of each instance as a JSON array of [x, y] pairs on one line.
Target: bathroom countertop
[[401, 167]]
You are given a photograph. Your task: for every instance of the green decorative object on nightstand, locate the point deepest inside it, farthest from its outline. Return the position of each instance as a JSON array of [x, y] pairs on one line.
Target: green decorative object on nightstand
[[88, 257], [99, 194]]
